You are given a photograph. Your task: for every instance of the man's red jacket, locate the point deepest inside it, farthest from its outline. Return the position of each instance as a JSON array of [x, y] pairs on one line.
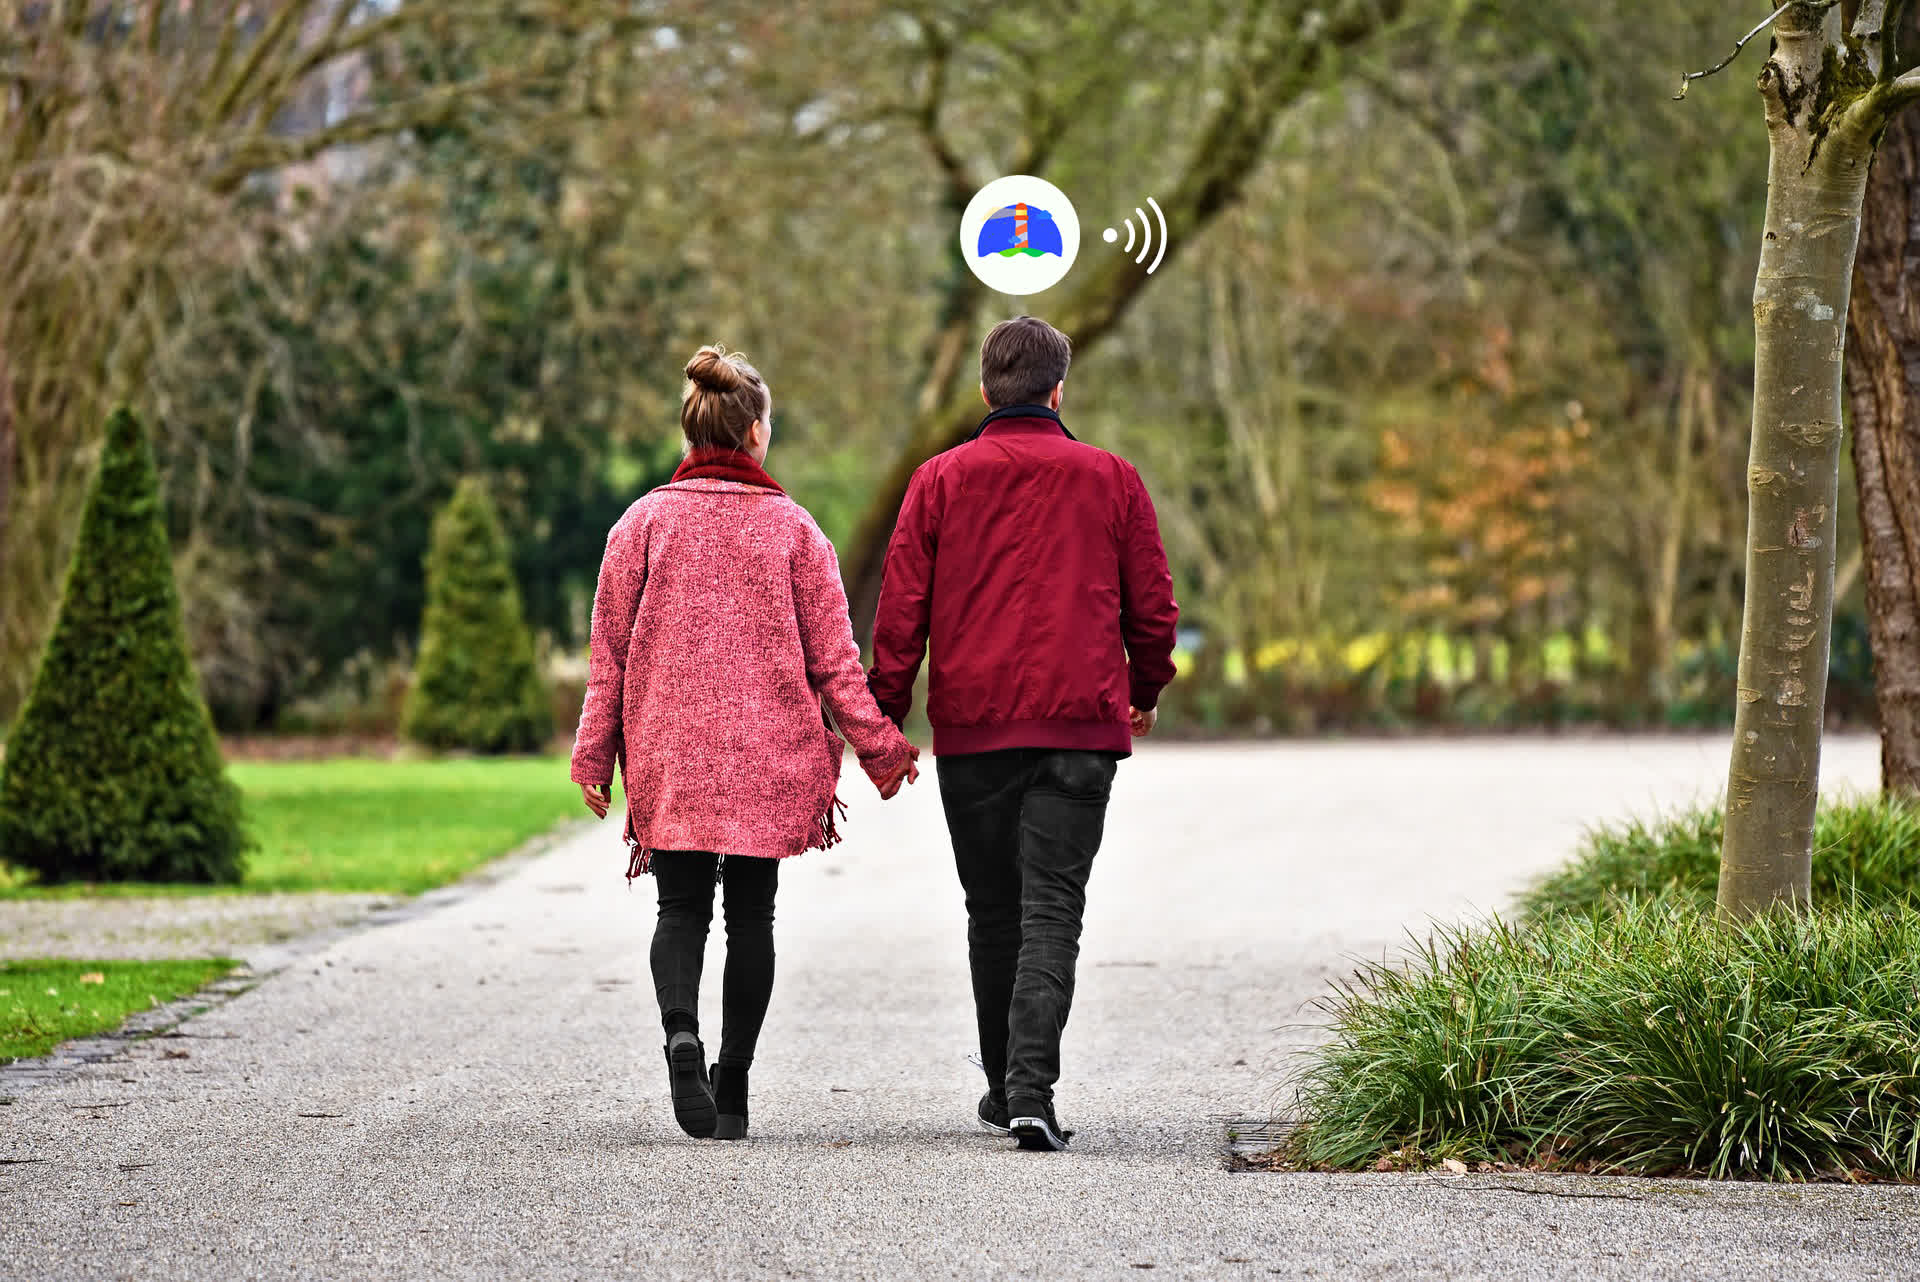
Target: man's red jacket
[[1033, 564]]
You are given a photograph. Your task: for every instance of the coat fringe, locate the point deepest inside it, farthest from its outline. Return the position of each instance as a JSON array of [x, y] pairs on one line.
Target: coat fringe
[[640, 862], [829, 824]]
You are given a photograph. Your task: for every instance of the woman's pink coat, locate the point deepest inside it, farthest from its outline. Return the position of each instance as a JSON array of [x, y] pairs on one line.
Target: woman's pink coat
[[719, 628]]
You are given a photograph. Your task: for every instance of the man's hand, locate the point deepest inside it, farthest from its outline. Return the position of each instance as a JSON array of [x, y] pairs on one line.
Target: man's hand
[[1141, 723], [595, 795], [909, 773]]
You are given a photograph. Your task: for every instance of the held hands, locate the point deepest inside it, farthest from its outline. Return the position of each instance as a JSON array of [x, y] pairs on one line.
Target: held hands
[[909, 773], [595, 795], [1141, 723]]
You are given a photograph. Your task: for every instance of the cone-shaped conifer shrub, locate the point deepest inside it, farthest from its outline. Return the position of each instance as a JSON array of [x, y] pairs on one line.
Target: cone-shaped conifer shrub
[[112, 771], [476, 685]]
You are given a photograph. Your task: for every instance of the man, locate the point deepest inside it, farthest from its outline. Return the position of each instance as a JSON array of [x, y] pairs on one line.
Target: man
[[1034, 565]]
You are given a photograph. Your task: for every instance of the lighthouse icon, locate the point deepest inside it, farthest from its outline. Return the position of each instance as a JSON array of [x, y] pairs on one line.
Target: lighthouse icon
[[1019, 235], [1020, 228]]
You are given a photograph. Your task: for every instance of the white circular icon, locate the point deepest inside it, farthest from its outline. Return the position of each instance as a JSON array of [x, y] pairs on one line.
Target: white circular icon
[[1019, 234]]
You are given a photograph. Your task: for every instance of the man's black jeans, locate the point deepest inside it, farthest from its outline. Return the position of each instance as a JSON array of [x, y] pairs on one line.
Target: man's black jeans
[[1026, 824]]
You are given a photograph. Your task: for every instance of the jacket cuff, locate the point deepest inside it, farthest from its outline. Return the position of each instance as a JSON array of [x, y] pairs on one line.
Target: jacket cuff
[[886, 764], [1144, 697]]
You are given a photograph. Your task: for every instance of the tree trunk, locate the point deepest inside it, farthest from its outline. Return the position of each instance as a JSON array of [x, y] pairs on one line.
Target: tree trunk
[[1291, 46], [1817, 180], [1883, 391]]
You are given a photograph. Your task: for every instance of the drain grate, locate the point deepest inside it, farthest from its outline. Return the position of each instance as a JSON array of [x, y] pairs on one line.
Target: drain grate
[[1255, 1136]]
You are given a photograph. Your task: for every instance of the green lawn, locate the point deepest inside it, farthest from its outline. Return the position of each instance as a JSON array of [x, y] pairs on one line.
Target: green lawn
[[361, 824], [44, 1003]]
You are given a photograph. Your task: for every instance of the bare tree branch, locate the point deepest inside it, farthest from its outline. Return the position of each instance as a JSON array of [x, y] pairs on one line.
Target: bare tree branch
[[1903, 89], [1688, 78], [960, 182]]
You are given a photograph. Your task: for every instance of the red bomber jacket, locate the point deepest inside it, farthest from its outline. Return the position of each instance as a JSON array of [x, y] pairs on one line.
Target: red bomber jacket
[[1032, 564]]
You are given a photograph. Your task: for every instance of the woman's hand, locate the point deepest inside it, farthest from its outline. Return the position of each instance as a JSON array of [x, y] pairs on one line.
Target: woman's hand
[[909, 773], [595, 795]]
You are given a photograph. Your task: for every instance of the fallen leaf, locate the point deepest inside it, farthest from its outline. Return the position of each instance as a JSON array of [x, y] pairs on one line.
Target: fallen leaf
[[93, 977], [1455, 1165], [839, 1143], [1384, 1164]]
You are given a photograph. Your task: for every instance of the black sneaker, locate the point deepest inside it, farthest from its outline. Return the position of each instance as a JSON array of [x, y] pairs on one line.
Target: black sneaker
[[993, 1113], [1033, 1124], [687, 1078]]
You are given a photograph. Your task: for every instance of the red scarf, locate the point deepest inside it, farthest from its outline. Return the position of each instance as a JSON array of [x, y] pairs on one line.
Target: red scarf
[[725, 465]]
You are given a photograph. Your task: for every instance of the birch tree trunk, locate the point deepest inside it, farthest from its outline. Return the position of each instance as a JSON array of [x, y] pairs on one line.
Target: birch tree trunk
[[1883, 393], [1828, 97]]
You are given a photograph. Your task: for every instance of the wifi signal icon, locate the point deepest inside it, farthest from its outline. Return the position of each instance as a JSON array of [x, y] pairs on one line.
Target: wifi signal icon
[[1145, 237]]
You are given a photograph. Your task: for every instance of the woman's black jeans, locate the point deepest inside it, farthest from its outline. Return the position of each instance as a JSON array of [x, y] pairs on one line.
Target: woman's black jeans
[[685, 880], [1026, 824]]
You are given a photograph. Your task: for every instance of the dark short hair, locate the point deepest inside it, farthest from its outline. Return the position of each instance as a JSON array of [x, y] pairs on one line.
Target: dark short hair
[[1022, 360]]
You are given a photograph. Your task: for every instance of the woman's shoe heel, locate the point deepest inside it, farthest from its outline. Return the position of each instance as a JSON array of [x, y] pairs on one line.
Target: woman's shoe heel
[[692, 1094], [730, 1098]]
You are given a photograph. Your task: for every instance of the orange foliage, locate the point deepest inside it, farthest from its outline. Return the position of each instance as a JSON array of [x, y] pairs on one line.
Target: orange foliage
[[1482, 491]]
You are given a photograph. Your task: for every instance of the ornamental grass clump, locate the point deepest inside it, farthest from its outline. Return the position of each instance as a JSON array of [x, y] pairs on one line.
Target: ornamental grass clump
[[1644, 1039], [1866, 852], [112, 772]]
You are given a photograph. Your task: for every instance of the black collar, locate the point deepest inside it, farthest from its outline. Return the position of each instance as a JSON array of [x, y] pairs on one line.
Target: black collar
[[1020, 411]]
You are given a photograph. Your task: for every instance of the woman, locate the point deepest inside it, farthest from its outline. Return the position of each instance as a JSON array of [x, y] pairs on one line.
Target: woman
[[720, 629]]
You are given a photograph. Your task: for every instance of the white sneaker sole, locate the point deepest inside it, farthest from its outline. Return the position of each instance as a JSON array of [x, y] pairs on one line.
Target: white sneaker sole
[[1034, 1134]]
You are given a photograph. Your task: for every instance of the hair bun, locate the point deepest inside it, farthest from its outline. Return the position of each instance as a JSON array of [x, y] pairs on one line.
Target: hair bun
[[712, 368]]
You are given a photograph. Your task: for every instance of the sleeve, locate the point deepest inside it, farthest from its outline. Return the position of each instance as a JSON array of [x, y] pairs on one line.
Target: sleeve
[[1148, 612], [600, 741], [833, 659], [905, 611]]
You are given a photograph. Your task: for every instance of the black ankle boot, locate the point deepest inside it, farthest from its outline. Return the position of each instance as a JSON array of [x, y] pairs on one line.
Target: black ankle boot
[[730, 1102], [687, 1081]]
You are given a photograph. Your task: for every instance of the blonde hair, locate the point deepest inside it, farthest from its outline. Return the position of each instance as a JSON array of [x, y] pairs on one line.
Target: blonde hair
[[722, 398]]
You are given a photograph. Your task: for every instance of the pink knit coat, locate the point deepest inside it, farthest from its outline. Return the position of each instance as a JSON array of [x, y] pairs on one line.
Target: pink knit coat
[[720, 628]]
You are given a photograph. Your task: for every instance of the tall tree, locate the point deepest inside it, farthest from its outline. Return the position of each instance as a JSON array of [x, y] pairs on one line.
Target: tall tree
[[1279, 52], [140, 145], [1883, 393], [1830, 90]]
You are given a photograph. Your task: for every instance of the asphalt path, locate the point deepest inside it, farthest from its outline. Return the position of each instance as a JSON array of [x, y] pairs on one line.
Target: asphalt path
[[477, 1091]]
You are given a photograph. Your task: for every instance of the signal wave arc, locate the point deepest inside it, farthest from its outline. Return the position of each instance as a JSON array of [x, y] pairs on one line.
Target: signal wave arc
[[1146, 232], [1163, 236], [1128, 249]]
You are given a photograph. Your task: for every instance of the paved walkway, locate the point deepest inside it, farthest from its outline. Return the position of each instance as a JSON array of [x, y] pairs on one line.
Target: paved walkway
[[475, 1092], [140, 929]]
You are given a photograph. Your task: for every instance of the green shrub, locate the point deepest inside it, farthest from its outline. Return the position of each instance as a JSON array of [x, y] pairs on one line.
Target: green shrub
[[476, 685], [1647, 1040], [1865, 852], [112, 771]]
